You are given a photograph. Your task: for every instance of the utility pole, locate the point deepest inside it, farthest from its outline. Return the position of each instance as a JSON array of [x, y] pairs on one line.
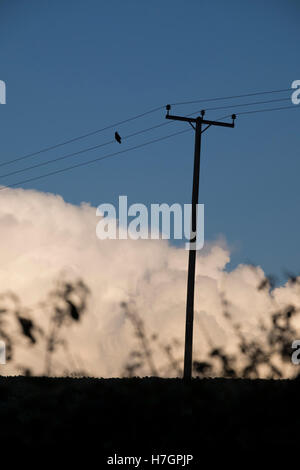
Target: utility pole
[[198, 121]]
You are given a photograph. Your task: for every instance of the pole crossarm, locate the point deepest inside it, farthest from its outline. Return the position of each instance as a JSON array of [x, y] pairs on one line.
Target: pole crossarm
[[204, 121], [181, 118], [218, 123], [199, 121]]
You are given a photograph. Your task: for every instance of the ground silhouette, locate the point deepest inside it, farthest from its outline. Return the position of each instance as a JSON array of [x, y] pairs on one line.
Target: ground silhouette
[[208, 418]]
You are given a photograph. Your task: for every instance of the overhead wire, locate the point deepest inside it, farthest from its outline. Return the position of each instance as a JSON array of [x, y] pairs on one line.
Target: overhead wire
[[131, 148], [88, 149], [88, 162], [203, 100], [83, 136], [138, 116], [254, 103], [79, 152]]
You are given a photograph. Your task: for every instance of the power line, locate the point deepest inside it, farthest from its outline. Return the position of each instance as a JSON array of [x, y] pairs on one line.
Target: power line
[[88, 149], [230, 97], [239, 105], [139, 146], [83, 136], [271, 109], [89, 134], [73, 154], [255, 111], [94, 160]]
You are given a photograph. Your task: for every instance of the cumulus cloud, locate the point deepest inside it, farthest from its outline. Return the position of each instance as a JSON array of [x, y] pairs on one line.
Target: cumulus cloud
[[44, 237]]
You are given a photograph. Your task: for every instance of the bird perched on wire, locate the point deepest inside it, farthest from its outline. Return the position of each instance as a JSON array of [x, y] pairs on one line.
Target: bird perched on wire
[[117, 137]]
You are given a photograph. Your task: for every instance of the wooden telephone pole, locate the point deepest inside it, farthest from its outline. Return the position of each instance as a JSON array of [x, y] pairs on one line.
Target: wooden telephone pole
[[198, 121]]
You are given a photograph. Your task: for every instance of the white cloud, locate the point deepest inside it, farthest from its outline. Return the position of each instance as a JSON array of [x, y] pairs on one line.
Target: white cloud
[[42, 237]]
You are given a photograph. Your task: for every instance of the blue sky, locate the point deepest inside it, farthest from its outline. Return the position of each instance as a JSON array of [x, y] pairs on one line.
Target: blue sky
[[75, 66]]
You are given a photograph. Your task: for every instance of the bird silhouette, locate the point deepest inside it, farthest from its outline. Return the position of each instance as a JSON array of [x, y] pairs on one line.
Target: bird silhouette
[[117, 137]]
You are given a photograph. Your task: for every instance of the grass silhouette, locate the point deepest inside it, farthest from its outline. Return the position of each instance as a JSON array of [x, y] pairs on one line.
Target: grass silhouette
[[209, 418]]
